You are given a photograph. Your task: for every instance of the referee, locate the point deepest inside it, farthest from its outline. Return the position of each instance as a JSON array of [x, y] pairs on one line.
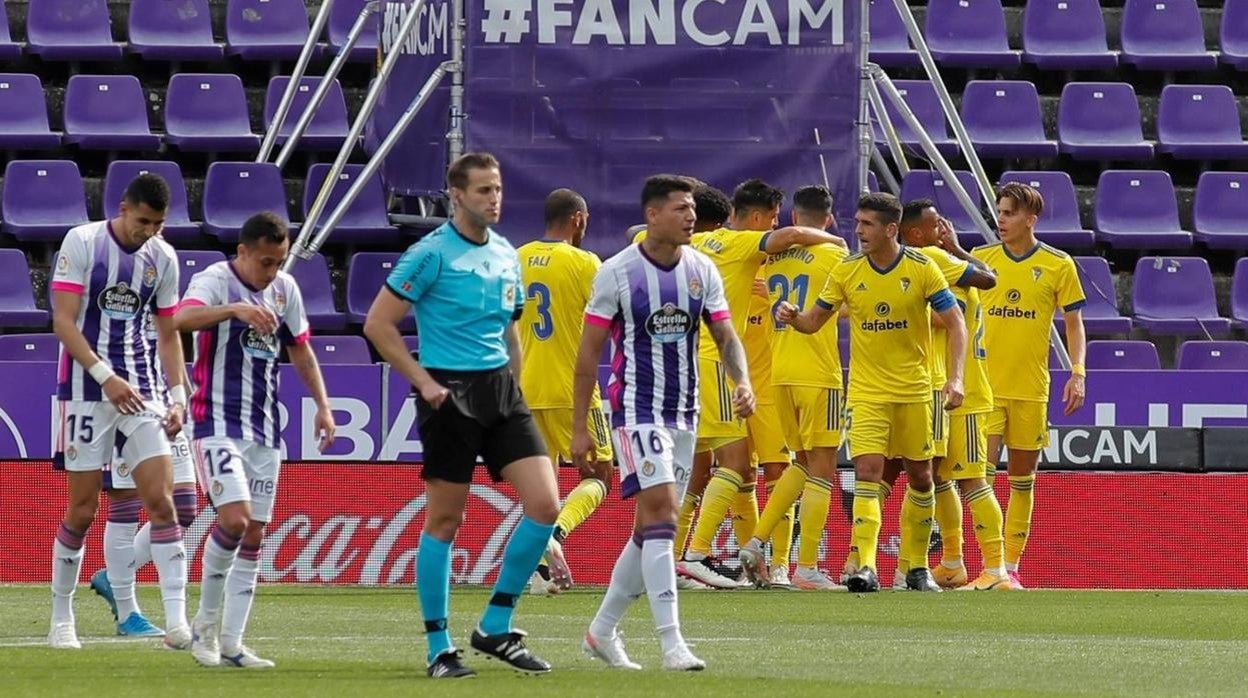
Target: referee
[[463, 282]]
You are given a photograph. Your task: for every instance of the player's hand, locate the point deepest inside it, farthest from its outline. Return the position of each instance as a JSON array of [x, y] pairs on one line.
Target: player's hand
[[743, 401], [582, 446], [325, 428], [952, 394], [259, 318], [786, 312], [945, 237], [123, 396], [174, 419], [1074, 393], [434, 394], [760, 288]]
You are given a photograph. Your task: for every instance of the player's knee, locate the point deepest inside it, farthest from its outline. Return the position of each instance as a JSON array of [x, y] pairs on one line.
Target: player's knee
[[254, 534], [160, 510], [443, 526], [232, 522], [80, 515], [921, 479], [543, 512]]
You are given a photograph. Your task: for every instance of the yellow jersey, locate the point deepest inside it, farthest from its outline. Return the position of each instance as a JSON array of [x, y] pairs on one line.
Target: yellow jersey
[[738, 254], [557, 279], [758, 339], [810, 360], [1019, 312], [890, 329], [975, 385], [954, 270]]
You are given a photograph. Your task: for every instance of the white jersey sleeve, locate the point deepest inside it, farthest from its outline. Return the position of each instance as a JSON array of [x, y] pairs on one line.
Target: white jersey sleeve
[[167, 286], [206, 287], [604, 299], [73, 264]]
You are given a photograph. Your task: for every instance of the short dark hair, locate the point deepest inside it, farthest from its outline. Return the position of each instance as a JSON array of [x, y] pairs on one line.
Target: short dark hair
[[713, 205], [814, 198], [755, 193], [267, 226], [913, 211], [457, 173], [561, 204], [1024, 196], [885, 205], [661, 185], [150, 189]]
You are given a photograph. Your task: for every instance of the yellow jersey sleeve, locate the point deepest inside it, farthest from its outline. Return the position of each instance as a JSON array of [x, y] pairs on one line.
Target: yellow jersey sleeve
[[954, 272], [738, 255], [833, 293], [641, 235]]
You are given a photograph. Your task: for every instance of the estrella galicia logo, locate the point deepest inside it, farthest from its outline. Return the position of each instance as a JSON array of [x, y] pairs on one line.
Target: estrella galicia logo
[[669, 324], [119, 302], [258, 346], [1013, 296], [882, 309]]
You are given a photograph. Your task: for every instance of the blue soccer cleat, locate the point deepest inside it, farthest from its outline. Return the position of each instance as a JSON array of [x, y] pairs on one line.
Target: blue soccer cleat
[[100, 585], [138, 626]]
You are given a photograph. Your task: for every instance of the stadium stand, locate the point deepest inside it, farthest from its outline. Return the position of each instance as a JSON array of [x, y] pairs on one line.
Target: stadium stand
[[1122, 355], [24, 114], [1213, 356], [29, 347], [328, 128], [206, 112], [348, 349], [178, 228], [173, 31], [1175, 296]]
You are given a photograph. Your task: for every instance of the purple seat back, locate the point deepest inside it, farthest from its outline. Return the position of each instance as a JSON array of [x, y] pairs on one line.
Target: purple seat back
[[1098, 287], [1239, 291], [1123, 355], [16, 293], [266, 22], [22, 104], [1073, 27], [1198, 114], [921, 97], [206, 104], [412, 342], [888, 32], [1233, 33], [347, 349], [1099, 112], [165, 23], [1213, 356], [1061, 205], [191, 262], [29, 347], [1173, 287], [312, 275], [68, 22], [1002, 110], [368, 210], [1136, 201], [1169, 27], [105, 105], [366, 274], [330, 118], [342, 17], [43, 193], [1221, 203], [965, 25], [929, 184], [121, 172], [234, 191]]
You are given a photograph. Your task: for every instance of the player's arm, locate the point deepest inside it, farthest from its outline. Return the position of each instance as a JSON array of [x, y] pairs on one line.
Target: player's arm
[[169, 348], [382, 329], [946, 306], [65, 305], [194, 315], [799, 236], [584, 378], [1076, 390], [515, 353], [732, 355], [978, 274], [309, 369]]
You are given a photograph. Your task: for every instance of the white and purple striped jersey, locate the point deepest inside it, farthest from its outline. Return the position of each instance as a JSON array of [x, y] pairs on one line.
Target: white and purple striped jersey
[[235, 372], [654, 314], [120, 288]]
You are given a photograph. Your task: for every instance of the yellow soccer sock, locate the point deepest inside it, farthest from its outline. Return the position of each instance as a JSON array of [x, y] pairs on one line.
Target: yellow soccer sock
[[986, 514], [918, 511], [816, 500], [852, 559], [745, 513], [684, 521], [780, 497], [782, 534], [1018, 517], [720, 492], [866, 521], [949, 516], [580, 504]]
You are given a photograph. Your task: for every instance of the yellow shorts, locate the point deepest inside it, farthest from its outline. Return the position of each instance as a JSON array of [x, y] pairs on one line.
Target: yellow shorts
[[555, 426], [967, 458], [1023, 423], [811, 417], [716, 420], [891, 429], [940, 426], [767, 435]]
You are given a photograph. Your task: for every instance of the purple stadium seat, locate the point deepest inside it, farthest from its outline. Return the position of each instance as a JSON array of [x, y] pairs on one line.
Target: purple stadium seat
[[366, 274], [969, 34], [1066, 35], [1122, 355], [107, 112], [1174, 296], [412, 342], [161, 30], [921, 97], [191, 262], [234, 191], [366, 220], [1220, 210], [70, 30], [24, 114], [1239, 294], [1233, 34], [1101, 121], [1004, 120], [929, 184], [17, 298], [266, 30], [1100, 315], [43, 199], [349, 349], [1200, 122], [1213, 356], [9, 51], [318, 295], [29, 347], [1137, 209], [178, 226], [342, 17], [1165, 35], [1059, 223], [207, 112], [329, 126], [890, 44]]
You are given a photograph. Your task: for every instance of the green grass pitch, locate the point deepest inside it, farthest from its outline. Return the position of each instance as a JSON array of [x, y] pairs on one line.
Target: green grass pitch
[[366, 643]]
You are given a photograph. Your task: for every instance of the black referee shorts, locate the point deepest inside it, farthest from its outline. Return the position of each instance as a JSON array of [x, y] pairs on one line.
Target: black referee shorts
[[484, 415]]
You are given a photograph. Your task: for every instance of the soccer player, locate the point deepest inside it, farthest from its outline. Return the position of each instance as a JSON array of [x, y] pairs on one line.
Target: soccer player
[[651, 298], [888, 289], [243, 313], [807, 382], [557, 277], [107, 277], [463, 282], [1035, 281]]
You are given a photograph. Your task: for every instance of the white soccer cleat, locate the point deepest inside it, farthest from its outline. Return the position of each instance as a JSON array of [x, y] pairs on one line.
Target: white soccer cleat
[[689, 584], [610, 650], [704, 571], [899, 581], [64, 636], [243, 658], [754, 564], [780, 577], [681, 659], [205, 642], [178, 638], [813, 579]]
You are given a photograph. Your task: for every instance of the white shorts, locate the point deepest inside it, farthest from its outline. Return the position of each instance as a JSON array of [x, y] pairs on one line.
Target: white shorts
[[234, 470], [118, 476], [88, 431], [651, 455]]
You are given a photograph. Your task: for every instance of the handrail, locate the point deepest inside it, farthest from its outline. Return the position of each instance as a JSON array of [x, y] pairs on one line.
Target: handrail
[[301, 66]]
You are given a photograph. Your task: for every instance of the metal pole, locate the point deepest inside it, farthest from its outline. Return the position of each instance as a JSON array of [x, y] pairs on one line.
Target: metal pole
[[301, 65], [374, 163], [353, 137], [886, 175], [455, 136], [323, 87], [886, 124], [865, 137]]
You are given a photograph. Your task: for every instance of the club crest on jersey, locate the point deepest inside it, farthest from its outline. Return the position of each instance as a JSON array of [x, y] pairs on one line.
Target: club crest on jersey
[[123, 470], [71, 452], [1013, 296], [695, 288], [647, 468], [905, 284], [119, 302], [217, 488], [149, 276], [669, 324], [279, 302], [1035, 273], [62, 263], [258, 346], [509, 295]]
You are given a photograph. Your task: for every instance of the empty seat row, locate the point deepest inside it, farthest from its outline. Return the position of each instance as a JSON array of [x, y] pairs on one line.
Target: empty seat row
[[161, 30], [347, 349], [1141, 355]]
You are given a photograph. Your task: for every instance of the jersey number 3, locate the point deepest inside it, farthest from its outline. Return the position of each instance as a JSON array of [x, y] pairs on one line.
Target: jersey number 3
[[545, 326]]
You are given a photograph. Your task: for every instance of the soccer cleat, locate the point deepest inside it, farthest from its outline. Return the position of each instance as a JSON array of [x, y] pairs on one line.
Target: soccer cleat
[[205, 642], [681, 659], [899, 581], [920, 579], [609, 650], [509, 648], [988, 582], [135, 625], [541, 586], [100, 585], [950, 578], [684, 583], [243, 658], [863, 581], [754, 564], [1015, 583], [448, 665], [704, 571], [64, 636], [560, 573], [780, 577], [813, 579], [178, 638]]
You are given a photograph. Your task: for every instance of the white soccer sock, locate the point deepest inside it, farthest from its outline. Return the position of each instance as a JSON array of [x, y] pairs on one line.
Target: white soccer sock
[[66, 563], [219, 554], [143, 546], [658, 567], [169, 554], [119, 561], [627, 584], [240, 591]]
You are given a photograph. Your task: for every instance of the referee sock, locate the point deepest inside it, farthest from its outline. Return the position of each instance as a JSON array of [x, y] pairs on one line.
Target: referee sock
[[816, 500], [580, 504], [1018, 517], [986, 515], [720, 492], [520, 558], [433, 587], [919, 510], [684, 521], [949, 516], [866, 521], [745, 513]]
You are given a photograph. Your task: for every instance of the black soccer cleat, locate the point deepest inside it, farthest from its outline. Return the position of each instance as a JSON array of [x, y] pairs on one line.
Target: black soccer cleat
[[863, 581], [448, 666], [509, 649], [920, 579]]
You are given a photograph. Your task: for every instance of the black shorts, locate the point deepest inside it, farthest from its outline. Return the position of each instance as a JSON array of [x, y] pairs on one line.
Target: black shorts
[[484, 415]]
